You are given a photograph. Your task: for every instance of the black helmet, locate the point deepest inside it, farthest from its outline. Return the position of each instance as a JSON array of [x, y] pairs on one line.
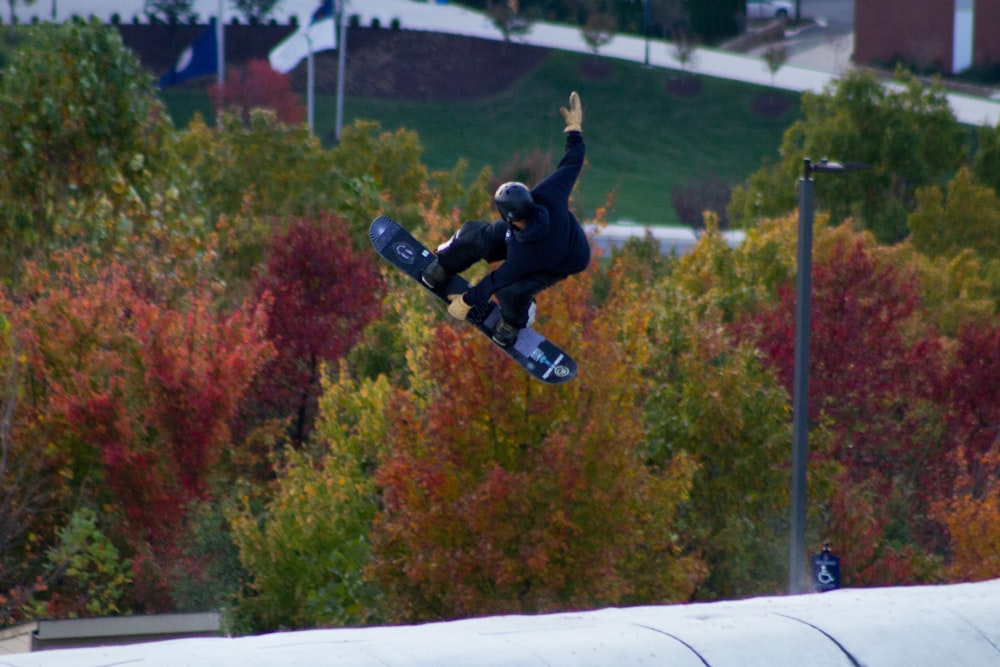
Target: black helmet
[[513, 201]]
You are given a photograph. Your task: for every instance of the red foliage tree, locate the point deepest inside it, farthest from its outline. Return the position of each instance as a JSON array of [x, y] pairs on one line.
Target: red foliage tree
[[323, 294], [871, 379], [197, 364], [970, 391], [866, 372], [254, 85], [134, 398]]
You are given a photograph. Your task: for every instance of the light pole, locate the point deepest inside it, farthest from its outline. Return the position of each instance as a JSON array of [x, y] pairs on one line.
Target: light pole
[[797, 582]]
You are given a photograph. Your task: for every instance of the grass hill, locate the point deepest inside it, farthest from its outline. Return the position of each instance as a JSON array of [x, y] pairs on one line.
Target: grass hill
[[487, 102]]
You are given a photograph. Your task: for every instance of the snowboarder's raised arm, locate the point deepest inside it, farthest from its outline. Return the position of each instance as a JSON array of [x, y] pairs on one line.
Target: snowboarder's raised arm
[[557, 186], [573, 115]]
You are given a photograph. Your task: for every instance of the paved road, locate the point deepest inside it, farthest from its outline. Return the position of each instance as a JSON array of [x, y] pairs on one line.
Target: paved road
[[838, 13], [829, 41]]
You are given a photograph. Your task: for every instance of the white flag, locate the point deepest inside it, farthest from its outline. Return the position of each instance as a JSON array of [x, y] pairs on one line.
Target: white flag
[[289, 53]]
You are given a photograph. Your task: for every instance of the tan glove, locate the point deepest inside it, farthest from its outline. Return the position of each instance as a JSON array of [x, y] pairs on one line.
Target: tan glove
[[574, 115], [458, 308]]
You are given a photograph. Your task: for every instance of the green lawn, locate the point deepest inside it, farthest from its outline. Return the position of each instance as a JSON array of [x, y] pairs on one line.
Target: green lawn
[[641, 140]]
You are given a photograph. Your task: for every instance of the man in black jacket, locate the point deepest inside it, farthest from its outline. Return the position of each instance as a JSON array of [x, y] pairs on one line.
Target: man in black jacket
[[537, 236]]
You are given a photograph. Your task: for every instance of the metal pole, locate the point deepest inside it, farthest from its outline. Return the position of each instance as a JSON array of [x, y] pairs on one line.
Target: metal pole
[[310, 84], [220, 45], [341, 64], [800, 390]]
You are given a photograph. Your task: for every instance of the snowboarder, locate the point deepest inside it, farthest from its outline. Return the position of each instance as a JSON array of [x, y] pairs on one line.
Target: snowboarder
[[537, 236]]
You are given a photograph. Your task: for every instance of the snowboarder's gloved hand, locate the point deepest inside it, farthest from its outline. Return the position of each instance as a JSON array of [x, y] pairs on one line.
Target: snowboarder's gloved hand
[[574, 115], [458, 309]]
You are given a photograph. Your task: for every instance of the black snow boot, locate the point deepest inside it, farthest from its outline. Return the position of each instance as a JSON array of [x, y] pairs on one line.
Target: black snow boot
[[434, 275], [505, 334]]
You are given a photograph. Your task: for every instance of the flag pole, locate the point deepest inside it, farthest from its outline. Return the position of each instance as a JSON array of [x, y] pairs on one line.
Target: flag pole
[[341, 61], [220, 53], [310, 84]]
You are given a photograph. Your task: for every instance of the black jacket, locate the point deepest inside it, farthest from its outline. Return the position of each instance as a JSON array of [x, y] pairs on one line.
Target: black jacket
[[553, 241]]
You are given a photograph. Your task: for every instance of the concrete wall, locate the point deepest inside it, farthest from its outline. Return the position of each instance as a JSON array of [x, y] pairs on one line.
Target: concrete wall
[[46, 635]]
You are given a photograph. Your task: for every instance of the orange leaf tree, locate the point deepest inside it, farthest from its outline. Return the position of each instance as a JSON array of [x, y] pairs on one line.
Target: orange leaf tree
[[505, 495], [972, 517]]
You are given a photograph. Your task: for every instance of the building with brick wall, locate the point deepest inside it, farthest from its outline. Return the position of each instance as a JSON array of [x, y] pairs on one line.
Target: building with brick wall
[[945, 35]]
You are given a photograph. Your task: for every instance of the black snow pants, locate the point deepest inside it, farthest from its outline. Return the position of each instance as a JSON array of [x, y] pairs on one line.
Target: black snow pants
[[484, 241]]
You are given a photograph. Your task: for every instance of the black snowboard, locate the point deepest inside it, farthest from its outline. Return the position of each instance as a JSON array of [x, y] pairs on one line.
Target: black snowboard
[[539, 356]]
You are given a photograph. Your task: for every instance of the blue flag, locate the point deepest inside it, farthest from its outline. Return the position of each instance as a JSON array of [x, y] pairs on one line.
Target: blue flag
[[199, 59], [324, 11]]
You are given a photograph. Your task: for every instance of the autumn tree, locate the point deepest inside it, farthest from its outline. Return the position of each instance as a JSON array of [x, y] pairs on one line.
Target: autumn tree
[[685, 46], [986, 159], [389, 163], [25, 496], [256, 84], [966, 217], [79, 120], [85, 573], [908, 134], [712, 399], [323, 294], [872, 370], [247, 176], [307, 549], [500, 503], [970, 510], [972, 517], [775, 56], [971, 390], [955, 290], [133, 400]]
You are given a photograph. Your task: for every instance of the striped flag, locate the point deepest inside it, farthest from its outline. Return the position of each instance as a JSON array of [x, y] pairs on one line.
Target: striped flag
[[319, 35]]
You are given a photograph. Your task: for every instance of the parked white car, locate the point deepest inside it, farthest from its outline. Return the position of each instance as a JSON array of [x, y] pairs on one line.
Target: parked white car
[[766, 9]]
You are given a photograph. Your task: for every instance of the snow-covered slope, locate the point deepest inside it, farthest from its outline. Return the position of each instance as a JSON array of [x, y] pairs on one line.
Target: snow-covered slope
[[920, 626]]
